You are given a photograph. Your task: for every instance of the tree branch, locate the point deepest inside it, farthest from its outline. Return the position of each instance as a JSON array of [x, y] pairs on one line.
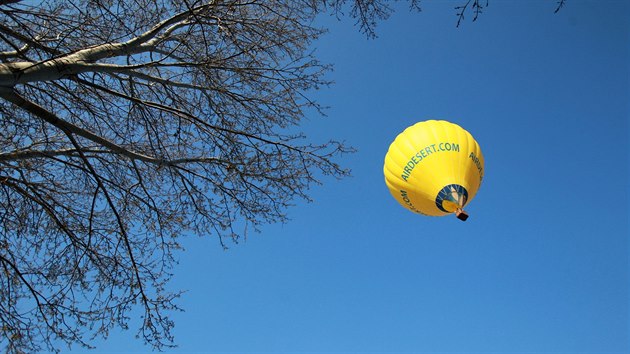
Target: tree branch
[[67, 127]]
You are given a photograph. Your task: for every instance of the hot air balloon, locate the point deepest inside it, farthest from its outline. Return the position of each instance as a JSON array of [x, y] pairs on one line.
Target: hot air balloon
[[434, 168]]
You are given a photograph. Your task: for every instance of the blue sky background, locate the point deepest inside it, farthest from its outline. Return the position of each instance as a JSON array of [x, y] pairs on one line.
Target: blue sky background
[[542, 263]]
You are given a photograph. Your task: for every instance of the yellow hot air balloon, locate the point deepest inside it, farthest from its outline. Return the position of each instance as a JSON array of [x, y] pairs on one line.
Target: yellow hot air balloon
[[434, 168]]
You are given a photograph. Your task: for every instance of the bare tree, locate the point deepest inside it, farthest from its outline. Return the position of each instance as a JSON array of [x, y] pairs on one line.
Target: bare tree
[[127, 123]]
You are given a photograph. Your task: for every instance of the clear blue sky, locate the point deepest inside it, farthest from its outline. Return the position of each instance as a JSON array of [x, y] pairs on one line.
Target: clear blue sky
[[542, 263]]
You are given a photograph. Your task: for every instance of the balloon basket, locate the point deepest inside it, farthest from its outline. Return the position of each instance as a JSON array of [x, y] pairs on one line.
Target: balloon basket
[[461, 215]]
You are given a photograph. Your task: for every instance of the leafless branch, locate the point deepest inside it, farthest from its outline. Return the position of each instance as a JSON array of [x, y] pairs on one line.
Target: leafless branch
[[560, 5]]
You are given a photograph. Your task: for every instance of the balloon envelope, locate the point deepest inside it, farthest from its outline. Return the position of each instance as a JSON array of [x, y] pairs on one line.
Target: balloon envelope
[[434, 168]]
